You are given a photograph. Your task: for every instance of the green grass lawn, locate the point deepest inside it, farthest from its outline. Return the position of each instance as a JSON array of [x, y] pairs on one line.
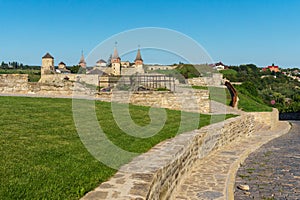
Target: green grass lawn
[[42, 156]]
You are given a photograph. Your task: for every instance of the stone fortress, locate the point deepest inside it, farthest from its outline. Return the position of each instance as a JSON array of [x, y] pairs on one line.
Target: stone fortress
[[162, 170], [115, 67], [102, 70], [141, 87]]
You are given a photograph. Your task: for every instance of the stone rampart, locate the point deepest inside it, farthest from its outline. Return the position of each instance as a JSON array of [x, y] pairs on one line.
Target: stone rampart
[[155, 174], [190, 101], [268, 118], [64, 88], [13, 83], [54, 86], [92, 79], [215, 80]]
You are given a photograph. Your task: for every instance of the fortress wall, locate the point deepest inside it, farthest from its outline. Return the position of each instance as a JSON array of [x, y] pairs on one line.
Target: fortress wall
[[155, 174], [13, 83], [51, 89], [92, 79], [200, 81], [190, 101], [268, 118], [51, 86], [215, 80]]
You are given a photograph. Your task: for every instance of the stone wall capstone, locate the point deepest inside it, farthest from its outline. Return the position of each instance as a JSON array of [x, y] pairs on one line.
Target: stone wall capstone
[[155, 174]]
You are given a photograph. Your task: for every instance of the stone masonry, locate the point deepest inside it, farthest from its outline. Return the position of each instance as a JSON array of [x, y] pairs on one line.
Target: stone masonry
[[190, 101], [13, 83], [156, 174], [74, 84]]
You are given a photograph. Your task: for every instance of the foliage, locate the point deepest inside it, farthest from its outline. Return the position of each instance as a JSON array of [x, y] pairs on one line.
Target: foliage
[[250, 104], [16, 65], [229, 72], [248, 88], [266, 86], [188, 71], [199, 87], [191, 71], [77, 69], [42, 156]]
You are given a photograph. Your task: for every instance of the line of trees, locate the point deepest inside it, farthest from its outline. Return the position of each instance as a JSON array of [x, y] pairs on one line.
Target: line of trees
[[16, 65]]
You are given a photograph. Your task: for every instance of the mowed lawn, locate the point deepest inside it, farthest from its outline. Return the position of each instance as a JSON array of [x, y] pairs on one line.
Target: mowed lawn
[[42, 156]]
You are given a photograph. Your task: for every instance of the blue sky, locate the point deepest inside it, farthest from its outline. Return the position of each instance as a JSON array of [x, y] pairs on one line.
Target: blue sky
[[232, 31]]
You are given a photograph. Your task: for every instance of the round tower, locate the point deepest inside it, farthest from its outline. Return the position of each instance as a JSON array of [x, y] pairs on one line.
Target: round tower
[[116, 63], [47, 64]]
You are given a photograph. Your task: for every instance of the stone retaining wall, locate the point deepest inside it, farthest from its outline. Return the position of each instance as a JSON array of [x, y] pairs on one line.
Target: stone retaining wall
[[13, 83], [63, 88], [215, 80], [268, 118], [190, 101], [92, 79], [57, 85], [155, 174], [18, 84]]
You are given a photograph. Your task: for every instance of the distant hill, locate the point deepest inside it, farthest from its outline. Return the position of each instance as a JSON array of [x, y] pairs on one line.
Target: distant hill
[[274, 89]]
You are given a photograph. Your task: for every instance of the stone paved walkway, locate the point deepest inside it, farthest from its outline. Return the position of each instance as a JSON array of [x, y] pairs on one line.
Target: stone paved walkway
[[214, 176], [273, 171]]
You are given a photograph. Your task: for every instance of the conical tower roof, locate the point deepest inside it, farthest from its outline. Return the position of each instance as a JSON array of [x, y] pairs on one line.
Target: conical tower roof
[[82, 60], [116, 54], [138, 56], [47, 55]]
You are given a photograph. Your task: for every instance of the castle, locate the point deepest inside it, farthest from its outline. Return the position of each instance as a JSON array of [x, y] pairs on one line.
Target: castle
[[117, 67]]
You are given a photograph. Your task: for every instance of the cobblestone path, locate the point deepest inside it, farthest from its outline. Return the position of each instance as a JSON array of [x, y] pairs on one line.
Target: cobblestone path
[[273, 171], [213, 177]]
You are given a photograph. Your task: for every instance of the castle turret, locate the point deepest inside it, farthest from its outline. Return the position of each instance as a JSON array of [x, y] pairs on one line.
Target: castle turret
[[138, 60], [47, 64], [116, 63], [139, 63], [82, 62]]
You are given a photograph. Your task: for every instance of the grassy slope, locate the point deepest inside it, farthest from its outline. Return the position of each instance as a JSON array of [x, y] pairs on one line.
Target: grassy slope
[[250, 103], [246, 103], [42, 156]]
